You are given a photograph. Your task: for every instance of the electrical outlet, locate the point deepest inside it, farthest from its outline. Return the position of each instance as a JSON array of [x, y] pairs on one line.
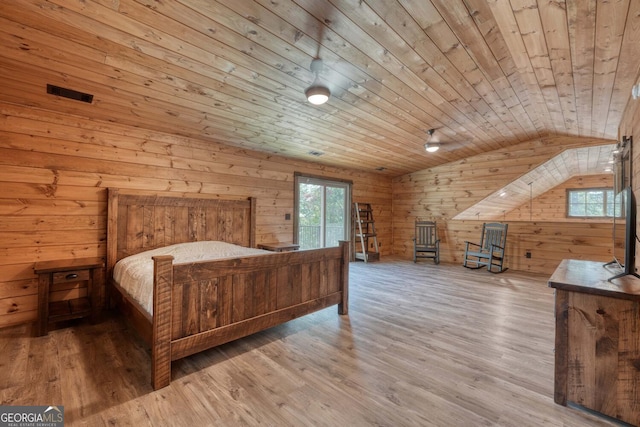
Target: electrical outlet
[[527, 254], [287, 216]]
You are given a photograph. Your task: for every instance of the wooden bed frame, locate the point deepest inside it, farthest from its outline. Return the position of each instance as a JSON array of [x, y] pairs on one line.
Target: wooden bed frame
[[201, 305]]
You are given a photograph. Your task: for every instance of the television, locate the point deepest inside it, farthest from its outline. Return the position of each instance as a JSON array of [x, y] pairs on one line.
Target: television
[[622, 165], [624, 233]]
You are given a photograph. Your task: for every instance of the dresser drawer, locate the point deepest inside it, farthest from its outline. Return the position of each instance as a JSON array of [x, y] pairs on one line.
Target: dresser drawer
[[70, 276]]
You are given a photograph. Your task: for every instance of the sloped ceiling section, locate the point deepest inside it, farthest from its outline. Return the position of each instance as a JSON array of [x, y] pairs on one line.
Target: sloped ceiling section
[[486, 75], [566, 165]]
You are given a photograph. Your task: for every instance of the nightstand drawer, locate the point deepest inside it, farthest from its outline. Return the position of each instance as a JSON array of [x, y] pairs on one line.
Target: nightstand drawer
[[68, 290], [71, 276]]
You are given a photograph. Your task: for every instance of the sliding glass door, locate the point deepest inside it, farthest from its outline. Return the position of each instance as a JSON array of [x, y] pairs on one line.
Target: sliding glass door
[[322, 211]]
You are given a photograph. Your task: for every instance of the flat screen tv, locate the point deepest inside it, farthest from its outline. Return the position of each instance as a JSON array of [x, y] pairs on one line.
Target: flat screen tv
[[622, 166], [624, 233]]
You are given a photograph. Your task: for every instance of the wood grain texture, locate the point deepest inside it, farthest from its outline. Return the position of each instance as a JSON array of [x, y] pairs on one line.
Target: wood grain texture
[[486, 75], [56, 168], [596, 362], [538, 226], [260, 291], [423, 345], [162, 319], [265, 290], [151, 221], [561, 365], [597, 351]]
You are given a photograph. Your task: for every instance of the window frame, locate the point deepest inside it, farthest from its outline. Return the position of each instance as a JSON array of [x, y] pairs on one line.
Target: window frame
[[606, 191], [347, 185]]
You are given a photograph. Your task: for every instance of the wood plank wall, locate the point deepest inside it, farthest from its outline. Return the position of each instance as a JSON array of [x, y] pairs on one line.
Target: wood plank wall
[[55, 168], [442, 192], [551, 206]]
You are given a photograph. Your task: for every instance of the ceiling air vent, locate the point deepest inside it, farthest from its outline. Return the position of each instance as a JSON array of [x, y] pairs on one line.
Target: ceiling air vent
[[69, 93]]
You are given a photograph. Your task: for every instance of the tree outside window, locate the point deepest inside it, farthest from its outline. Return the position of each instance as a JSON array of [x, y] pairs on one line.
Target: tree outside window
[[590, 203]]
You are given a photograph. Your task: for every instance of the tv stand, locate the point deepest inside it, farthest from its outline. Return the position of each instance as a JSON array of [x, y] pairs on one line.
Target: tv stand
[[596, 346]]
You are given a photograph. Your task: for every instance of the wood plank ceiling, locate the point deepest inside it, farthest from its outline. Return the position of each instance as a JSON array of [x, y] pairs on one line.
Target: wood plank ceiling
[[486, 74], [570, 163]]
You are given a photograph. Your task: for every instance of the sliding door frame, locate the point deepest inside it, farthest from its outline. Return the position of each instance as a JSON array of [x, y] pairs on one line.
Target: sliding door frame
[[300, 178]]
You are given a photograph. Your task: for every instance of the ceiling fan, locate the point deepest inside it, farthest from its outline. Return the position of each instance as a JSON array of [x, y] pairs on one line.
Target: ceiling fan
[[431, 146], [330, 80], [434, 143], [333, 75], [317, 93]]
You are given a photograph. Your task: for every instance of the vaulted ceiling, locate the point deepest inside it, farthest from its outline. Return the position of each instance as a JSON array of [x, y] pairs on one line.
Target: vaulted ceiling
[[568, 164], [485, 74]]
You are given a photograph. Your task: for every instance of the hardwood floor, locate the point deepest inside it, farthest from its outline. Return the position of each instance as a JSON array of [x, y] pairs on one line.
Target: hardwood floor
[[423, 345]]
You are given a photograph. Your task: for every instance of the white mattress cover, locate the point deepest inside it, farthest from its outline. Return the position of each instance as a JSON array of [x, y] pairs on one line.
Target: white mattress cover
[[135, 273]]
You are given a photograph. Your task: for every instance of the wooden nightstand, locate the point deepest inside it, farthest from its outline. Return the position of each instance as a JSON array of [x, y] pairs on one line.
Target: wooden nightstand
[[68, 289], [279, 247]]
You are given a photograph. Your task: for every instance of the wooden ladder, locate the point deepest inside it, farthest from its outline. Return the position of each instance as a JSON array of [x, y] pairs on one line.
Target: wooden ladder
[[365, 229]]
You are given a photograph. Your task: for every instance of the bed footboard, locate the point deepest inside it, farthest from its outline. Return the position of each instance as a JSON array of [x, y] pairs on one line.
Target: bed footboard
[[201, 305]]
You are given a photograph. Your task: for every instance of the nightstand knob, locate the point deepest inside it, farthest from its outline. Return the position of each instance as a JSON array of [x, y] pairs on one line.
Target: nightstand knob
[[71, 276]]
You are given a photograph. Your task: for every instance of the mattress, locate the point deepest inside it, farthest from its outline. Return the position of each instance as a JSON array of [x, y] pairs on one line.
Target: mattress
[[134, 273]]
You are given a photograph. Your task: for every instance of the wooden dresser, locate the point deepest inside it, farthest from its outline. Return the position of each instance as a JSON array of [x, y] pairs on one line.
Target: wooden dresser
[[597, 354]]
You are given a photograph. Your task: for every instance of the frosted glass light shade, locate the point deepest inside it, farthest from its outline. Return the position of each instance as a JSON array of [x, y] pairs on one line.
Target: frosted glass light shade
[[317, 94], [431, 148]]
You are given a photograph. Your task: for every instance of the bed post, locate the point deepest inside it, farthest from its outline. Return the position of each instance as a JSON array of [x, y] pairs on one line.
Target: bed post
[[161, 333], [112, 239], [343, 306], [252, 222]]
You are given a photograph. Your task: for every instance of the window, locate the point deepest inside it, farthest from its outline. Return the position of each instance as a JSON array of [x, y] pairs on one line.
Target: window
[[322, 211], [590, 203]]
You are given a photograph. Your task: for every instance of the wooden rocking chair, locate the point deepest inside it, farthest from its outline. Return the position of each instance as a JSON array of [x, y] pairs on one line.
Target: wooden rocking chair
[[426, 243], [491, 249]]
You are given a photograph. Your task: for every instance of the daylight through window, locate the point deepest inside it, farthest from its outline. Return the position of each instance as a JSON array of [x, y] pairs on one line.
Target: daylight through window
[[590, 203]]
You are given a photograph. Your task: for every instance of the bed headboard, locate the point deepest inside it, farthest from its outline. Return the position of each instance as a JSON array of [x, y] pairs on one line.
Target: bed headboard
[[138, 221]]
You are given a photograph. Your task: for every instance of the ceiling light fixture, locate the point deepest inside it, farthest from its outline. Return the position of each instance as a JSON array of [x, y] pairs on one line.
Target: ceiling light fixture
[[317, 93], [431, 147]]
